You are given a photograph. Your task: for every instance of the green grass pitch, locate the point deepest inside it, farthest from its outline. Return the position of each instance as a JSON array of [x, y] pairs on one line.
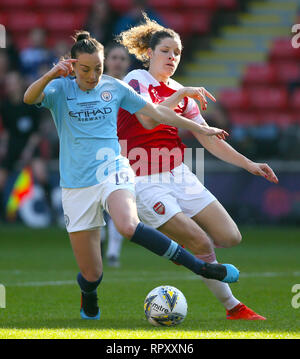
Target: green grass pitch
[[38, 270]]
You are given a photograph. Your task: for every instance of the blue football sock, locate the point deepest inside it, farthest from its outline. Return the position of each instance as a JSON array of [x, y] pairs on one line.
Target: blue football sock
[[86, 286], [161, 245]]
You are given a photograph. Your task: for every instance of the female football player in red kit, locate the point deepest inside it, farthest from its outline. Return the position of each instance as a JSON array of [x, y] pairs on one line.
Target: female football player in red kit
[[169, 196]]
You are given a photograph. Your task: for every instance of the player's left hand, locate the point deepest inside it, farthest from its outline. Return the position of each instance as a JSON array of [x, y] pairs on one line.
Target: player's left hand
[[214, 131], [264, 170]]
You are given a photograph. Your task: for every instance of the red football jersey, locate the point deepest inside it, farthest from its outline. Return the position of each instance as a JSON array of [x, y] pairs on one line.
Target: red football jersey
[[159, 149]]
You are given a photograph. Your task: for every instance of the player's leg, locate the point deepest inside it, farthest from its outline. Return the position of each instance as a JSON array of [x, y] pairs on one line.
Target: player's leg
[[184, 230], [122, 208], [224, 233], [84, 217], [193, 198], [87, 251], [202, 206], [218, 224], [86, 248]]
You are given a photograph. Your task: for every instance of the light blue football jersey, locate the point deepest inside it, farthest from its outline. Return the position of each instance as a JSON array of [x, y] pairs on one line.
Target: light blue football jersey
[[86, 123]]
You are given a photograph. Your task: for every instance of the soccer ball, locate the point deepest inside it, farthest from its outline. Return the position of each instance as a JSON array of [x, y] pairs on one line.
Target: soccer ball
[[165, 306]]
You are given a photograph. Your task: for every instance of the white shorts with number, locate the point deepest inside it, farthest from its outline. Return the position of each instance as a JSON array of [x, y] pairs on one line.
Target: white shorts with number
[[160, 197], [83, 207]]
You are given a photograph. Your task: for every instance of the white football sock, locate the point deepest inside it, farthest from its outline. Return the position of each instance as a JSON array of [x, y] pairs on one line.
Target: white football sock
[[221, 290], [115, 240]]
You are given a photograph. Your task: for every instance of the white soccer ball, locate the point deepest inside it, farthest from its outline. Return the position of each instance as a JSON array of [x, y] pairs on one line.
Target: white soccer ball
[[165, 306]]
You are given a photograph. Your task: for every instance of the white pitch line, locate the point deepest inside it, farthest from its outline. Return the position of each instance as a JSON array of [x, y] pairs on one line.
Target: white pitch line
[[43, 284], [165, 279], [269, 274]]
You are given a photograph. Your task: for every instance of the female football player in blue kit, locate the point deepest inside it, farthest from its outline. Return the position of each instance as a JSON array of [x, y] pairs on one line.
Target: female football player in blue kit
[[93, 174]]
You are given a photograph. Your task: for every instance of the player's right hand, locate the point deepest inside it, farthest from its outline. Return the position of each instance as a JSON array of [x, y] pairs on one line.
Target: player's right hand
[[62, 68], [200, 94]]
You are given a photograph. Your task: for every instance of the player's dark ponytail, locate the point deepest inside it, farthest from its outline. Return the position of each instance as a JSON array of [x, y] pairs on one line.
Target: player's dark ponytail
[[84, 43], [81, 35]]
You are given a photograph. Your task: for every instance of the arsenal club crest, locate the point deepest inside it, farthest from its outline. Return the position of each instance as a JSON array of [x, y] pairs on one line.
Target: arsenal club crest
[[159, 208], [135, 85]]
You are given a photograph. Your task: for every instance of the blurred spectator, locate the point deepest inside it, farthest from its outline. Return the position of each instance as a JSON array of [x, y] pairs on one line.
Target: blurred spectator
[[49, 142], [133, 17], [258, 140], [101, 21], [36, 58], [60, 49], [265, 138], [12, 53], [117, 60], [289, 143], [4, 68], [20, 136], [239, 135], [293, 85], [242, 141]]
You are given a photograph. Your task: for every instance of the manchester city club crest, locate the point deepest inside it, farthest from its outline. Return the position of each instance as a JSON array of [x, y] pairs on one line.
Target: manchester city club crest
[[106, 96]]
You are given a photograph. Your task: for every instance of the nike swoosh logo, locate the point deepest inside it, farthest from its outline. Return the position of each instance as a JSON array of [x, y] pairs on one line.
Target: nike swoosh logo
[[69, 99]]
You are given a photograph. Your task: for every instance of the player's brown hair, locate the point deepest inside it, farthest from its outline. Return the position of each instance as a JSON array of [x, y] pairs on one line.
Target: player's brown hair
[[84, 43], [146, 35]]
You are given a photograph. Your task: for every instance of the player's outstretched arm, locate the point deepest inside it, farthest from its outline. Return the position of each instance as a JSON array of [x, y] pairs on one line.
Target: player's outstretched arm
[[34, 94], [167, 116], [227, 153]]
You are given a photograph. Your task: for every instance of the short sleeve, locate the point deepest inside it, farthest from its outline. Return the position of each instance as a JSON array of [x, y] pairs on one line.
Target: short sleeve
[[131, 101], [193, 113], [53, 92], [140, 80]]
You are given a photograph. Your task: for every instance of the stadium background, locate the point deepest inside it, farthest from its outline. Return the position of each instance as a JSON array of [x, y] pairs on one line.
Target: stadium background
[[240, 50]]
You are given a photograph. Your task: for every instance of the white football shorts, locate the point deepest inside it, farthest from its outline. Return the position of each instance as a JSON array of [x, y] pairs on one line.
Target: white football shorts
[[83, 207], [160, 196]]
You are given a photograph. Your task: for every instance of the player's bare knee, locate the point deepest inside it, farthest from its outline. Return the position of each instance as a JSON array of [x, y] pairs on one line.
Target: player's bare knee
[[197, 241], [200, 245], [237, 238], [127, 229], [233, 239], [93, 272]]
